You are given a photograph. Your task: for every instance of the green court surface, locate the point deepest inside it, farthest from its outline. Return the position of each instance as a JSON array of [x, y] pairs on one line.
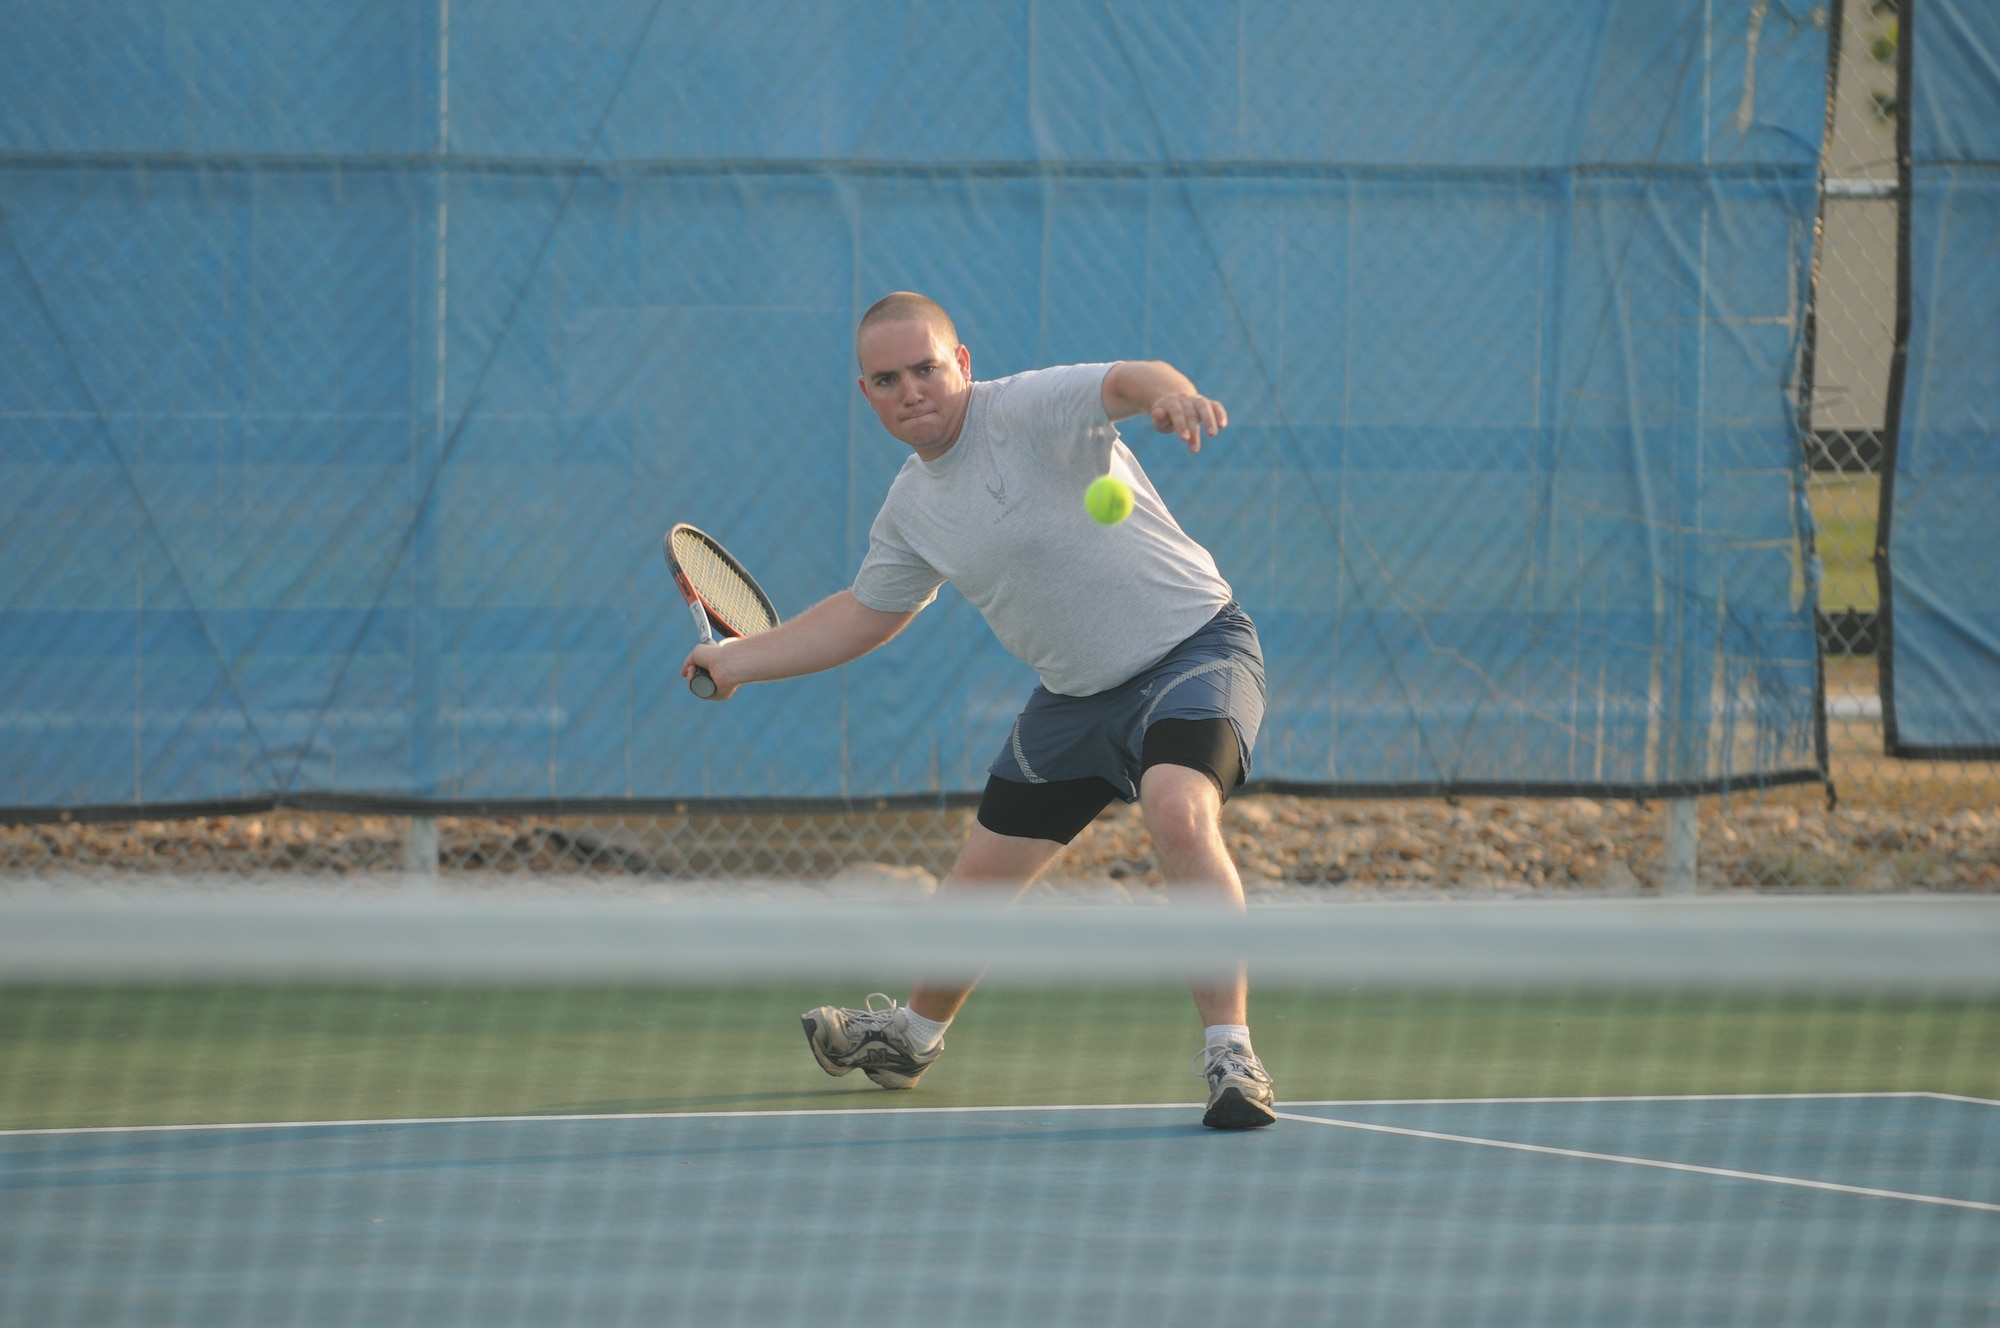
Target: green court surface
[[78, 1057], [1844, 511]]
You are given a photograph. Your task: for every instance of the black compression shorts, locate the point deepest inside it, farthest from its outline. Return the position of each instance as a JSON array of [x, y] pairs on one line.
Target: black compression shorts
[[1058, 810]]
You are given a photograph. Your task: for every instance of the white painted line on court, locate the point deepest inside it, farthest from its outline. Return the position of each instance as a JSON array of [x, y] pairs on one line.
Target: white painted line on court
[[608, 1116], [1191, 1105], [1655, 1163], [1960, 1097], [1628, 1097]]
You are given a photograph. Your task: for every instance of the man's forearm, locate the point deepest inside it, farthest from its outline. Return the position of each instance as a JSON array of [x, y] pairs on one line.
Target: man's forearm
[[832, 632], [1166, 396], [1132, 386]]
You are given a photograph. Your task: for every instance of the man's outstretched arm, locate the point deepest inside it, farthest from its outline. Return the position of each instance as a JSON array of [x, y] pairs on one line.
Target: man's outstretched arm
[[1157, 389], [830, 633]]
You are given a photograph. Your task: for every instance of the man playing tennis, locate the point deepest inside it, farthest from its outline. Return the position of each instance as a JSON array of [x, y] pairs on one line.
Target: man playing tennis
[[1152, 679]]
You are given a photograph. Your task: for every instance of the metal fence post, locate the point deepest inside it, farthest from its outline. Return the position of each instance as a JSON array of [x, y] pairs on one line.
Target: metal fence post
[[1682, 842], [420, 846]]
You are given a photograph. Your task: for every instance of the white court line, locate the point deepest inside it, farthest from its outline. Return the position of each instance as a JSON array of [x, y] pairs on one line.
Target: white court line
[[1635, 1097], [1960, 1097], [1655, 1163], [606, 1116], [547, 1117]]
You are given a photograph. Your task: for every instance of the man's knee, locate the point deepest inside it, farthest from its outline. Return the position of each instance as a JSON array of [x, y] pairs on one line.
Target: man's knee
[[1182, 805]]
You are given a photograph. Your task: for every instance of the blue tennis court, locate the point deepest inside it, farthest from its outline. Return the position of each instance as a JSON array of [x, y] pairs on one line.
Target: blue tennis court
[[1822, 1209]]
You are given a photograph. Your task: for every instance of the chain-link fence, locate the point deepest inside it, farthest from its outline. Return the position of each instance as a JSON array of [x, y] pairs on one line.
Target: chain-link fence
[[1882, 824], [1928, 828], [1935, 820]]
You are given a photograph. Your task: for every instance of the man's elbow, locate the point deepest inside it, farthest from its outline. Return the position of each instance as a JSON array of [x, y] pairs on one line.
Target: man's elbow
[[884, 628]]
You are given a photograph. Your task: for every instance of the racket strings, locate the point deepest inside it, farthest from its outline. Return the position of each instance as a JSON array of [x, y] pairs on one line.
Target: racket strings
[[729, 594]]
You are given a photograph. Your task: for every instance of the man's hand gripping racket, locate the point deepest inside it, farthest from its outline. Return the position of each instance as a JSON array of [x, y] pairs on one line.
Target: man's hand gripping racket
[[725, 599]]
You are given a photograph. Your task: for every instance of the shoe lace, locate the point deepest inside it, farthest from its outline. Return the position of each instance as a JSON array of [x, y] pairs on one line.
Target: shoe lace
[[1232, 1059], [881, 1021], [871, 1016]]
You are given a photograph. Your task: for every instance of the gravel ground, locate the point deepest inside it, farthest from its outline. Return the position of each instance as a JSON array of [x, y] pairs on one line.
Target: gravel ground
[[1296, 846], [1289, 849]]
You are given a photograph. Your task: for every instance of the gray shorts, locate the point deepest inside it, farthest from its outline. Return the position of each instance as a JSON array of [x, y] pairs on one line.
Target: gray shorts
[[1218, 673]]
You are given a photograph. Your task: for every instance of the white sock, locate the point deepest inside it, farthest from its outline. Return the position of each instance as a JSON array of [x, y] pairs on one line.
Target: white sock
[[924, 1033], [1221, 1035]]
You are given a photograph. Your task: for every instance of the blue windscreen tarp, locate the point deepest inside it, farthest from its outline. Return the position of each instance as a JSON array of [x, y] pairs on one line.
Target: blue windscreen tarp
[[356, 358], [1942, 683]]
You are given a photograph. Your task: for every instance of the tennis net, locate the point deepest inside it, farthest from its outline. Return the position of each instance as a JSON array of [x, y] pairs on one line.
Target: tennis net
[[256, 1105]]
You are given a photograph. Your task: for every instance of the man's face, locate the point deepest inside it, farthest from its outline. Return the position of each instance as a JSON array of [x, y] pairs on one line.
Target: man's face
[[918, 381]]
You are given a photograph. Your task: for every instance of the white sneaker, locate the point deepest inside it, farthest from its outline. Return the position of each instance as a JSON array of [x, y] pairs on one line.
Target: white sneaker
[[876, 1042], [1239, 1088]]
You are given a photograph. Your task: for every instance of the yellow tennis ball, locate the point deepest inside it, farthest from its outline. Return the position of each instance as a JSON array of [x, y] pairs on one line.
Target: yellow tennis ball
[[1108, 500]]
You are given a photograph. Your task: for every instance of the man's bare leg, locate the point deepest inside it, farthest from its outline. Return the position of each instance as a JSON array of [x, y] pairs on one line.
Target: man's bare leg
[[991, 867], [1184, 815]]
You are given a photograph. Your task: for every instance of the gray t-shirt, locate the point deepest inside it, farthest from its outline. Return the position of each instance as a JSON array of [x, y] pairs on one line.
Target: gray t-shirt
[[1001, 517]]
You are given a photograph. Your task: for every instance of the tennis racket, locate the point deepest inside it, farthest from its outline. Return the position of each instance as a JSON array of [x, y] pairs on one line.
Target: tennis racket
[[723, 597]]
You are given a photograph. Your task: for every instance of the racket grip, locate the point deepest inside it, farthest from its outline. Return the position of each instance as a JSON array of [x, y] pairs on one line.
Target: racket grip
[[701, 684]]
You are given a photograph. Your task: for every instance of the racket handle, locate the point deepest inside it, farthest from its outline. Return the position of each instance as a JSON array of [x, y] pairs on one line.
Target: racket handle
[[701, 684]]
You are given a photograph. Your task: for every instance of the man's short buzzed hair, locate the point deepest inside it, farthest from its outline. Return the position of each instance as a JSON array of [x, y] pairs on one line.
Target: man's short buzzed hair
[[902, 304]]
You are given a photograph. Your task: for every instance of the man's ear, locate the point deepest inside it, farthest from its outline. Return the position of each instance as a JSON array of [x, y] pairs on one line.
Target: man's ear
[[965, 359]]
